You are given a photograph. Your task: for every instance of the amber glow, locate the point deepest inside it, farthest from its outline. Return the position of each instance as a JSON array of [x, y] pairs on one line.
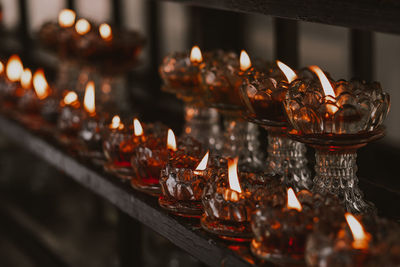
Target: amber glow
[[326, 85], [137, 127], [105, 31], [289, 73], [26, 79], [40, 84], [70, 98], [292, 201], [233, 175], [203, 163], [361, 238], [89, 99], [171, 141], [116, 123], [195, 54], [245, 62], [1, 67], [14, 68], [82, 26], [66, 18]]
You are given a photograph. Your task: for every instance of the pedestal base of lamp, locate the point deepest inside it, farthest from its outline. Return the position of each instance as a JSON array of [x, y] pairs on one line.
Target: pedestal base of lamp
[[231, 231], [149, 187], [122, 172], [190, 209], [275, 256]]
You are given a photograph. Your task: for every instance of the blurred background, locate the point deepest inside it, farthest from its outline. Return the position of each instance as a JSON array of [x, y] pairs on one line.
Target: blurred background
[[46, 219]]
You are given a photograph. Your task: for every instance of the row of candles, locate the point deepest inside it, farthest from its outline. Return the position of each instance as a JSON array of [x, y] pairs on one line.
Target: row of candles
[[190, 182]]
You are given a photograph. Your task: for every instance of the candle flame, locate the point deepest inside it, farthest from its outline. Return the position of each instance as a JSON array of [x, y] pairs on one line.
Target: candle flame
[[105, 31], [326, 85], [116, 123], [289, 73], [233, 175], [245, 62], [292, 201], [70, 98], [1, 67], [14, 68], [171, 141], [82, 26], [89, 99], [361, 238], [137, 127], [26, 79], [40, 84], [195, 54], [66, 18], [203, 163]]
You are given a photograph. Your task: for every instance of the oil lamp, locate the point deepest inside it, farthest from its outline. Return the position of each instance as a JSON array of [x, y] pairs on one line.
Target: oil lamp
[[70, 119], [66, 18], [32, 100], [228, 202], [82, 26], [336, 119], [180, 73], [221, 78], [182, 182], [13, 72], [105, 32], [360, 241], [263, 93]]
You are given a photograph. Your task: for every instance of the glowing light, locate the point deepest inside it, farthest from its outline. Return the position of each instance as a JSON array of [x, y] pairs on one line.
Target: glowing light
[[245, 62], [26, 79], [203, 163], [40, 84], [289, 73], [70, 98], [105, 31], [82, 26], [171, 141], [361, 238], [292, 201], [137, 127], [326, 85], [66, 18], [89, 99], [14, 68], [195, 54], [233, 175], [1, 67]]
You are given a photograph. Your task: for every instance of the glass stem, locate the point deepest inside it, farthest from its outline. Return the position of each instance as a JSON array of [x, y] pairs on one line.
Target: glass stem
[[202, 123], [287, 157], [336, 173]]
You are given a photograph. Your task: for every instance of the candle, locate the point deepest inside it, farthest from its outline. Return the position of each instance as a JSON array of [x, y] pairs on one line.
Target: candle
[[13, 72], [70, 119], [66, 18], [105, 32], [82, 26]]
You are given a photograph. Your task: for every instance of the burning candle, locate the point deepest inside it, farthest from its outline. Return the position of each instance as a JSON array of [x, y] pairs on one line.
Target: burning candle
[[182, 182], [89, 99], [10, 84], [105, 32], [70, 119], [66, 18], [228, 202], [82, 26], [26, 79], [40, 85]]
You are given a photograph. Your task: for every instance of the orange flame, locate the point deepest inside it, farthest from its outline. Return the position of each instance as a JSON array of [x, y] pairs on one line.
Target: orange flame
[[171, 141], [105, 31], [195, 54], [137, 127], [40, 84], [66, 18], [82, 26], [116, 123], [70, 98], [233, 175], [89, 99], [26, 79], [203, 163], [245, 62], [361, 238], [289, 73], [326, 85], [14, 68], [292, 201], [1, 67]]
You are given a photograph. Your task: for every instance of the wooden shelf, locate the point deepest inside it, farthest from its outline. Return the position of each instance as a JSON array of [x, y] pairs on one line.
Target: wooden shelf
[[374, 15]]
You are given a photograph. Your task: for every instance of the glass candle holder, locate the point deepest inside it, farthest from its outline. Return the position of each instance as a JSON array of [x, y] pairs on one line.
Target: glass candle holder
[[221, 78], [180, 73], [375, 243], [90, 135], [263, 93], [227, 212], [282, 222], [70, 119], [10, 78], [336, 126]]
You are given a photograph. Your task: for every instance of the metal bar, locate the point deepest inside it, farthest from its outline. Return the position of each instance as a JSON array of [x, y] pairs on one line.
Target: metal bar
[[117, 14], [362, 54], [70, 4], [153, 29], [287, 41], [24, 29]]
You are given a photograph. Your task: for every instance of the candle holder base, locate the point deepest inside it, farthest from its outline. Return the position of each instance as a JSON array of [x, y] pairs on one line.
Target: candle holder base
[[228, 230], [148, 186], [113, 168], [193, 209], [275, 256]]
